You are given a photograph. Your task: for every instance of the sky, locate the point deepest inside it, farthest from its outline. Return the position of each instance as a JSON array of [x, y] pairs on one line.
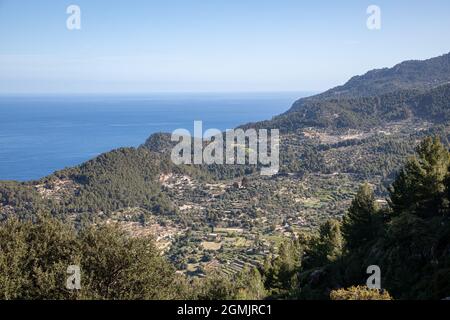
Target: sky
[[132, 46]]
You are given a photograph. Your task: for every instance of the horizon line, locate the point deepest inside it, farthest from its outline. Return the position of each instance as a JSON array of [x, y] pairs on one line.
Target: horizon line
[[17, 94]]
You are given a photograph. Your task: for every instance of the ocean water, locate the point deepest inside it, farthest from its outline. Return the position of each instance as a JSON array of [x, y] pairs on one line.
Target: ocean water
[[42, 134]]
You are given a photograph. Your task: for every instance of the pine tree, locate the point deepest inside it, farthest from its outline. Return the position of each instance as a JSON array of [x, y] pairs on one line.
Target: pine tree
[[281, 272], [419, 186], [329, 247], [250, 285], [415, 247], [362, 221]]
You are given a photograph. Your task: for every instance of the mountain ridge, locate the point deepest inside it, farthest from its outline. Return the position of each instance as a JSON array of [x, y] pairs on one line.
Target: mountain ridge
[[351, 105], [419, 74]]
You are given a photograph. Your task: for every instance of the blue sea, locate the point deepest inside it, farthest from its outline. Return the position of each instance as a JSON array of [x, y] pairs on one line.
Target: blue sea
[[42, 134]]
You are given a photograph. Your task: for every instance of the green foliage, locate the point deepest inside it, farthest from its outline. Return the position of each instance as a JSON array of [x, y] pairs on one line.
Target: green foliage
[[250, 285], [406, 75], [118, 179], [22, 200], [410, 241], [419, 186], [360, 293], [364, 111], [214, 287], [281, 271], [415, 246], [327, 247], [34, 258], [330, 240], [116, 266], [362, 222]]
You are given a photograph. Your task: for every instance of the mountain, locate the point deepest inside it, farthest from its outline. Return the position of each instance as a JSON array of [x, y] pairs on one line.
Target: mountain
[[412, 89], [414, 74]]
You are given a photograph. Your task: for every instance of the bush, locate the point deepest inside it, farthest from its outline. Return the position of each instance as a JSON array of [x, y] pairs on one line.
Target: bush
[[360, 293], [34, 258]]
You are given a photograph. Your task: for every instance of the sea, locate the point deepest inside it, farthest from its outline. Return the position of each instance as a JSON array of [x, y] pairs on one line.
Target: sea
[[40, 134]]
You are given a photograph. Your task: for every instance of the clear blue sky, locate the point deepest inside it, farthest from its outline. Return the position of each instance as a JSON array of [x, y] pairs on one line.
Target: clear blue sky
[[209, 45]]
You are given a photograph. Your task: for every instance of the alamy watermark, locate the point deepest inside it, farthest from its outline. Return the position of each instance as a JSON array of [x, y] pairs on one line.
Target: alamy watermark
[[73, 281], [374, 281], [374, 19], [73, 22], [239, 147]]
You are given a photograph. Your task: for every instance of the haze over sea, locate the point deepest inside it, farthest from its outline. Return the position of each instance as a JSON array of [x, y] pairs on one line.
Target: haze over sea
[[42, 134]]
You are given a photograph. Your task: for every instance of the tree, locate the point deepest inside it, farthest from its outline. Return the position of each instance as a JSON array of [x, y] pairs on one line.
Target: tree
[[281, 272], [34, 257], [249, 285], [362, 222], [409, 241], [327, 247], [214, 287], [331, 238], [117, 266], [415, 247], [419, 186]]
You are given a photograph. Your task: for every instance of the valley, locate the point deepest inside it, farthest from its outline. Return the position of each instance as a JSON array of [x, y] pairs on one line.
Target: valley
[[223, 225]]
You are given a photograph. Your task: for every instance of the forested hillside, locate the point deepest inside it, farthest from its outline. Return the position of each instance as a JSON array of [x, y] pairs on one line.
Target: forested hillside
[[410, 89], [409, 240], [364, 112], [408, 75]]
